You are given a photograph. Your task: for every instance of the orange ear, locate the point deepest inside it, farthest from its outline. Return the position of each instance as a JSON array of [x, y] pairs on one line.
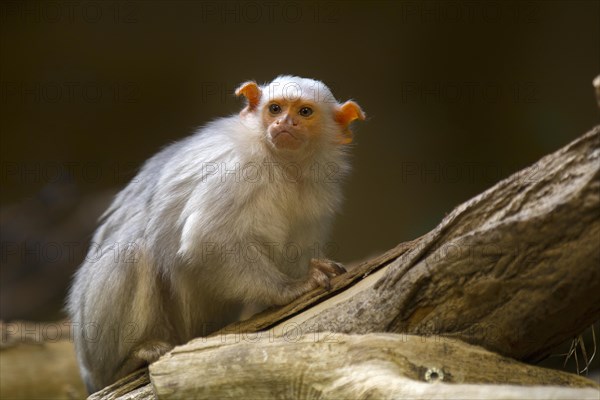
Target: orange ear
[[251, 91], [344, 115]]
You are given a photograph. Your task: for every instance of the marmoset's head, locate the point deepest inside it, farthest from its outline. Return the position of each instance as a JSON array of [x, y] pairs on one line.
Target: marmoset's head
[[295, 113]]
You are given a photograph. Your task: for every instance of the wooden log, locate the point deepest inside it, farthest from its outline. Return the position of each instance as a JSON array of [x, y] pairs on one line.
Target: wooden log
[[329, 365], [514, 270]]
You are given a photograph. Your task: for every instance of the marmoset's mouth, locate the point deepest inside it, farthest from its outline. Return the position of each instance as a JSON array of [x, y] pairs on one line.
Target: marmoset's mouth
[[276, 134], [284, 139]]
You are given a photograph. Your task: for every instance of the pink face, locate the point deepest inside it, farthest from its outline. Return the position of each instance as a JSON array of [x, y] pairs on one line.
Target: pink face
[[291, 124]]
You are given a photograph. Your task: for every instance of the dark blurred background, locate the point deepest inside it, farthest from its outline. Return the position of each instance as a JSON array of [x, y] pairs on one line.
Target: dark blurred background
[[459, 95]]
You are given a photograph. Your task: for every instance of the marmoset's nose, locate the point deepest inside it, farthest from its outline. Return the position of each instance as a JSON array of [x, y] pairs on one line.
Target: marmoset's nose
[[290, 120]]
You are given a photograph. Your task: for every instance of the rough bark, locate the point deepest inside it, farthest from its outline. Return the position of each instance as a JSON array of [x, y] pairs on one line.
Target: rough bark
[[514, 270]]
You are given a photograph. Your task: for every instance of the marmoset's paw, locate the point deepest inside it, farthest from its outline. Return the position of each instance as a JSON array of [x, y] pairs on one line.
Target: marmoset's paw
[[322, 271]]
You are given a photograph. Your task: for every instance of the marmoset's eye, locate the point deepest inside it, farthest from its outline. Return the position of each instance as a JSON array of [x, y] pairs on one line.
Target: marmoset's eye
[[305, 111], [274, 108]]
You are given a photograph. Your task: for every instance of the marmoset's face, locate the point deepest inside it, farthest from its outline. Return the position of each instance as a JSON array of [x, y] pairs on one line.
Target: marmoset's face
[[290, 125]]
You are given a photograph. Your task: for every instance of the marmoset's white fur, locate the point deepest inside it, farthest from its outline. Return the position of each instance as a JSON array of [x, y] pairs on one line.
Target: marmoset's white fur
[[234, 214]]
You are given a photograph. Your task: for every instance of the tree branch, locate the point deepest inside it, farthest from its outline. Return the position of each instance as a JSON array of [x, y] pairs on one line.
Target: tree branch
[[333, 366], [514, 270]]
